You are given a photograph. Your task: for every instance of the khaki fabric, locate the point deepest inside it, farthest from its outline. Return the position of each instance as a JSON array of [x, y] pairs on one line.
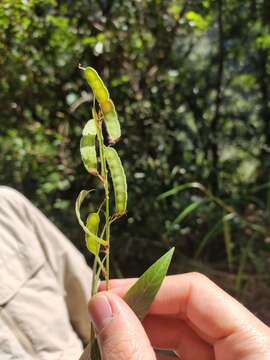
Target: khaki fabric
[[44, 286]]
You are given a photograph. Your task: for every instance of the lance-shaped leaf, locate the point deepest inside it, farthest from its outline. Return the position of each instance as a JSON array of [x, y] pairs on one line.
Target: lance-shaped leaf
[[88, 147], [141, 295], [111, 121], [81, 197], [119, 180]]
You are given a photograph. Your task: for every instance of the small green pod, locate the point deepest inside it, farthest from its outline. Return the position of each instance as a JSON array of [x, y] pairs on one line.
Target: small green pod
[[97, 85], [111, 121], [88, 147], [80, 199], [119, 180], [92, 225]]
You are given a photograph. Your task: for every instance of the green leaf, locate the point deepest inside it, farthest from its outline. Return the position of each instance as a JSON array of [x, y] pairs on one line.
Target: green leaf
[[217, 228], [191, 207], [228, 242], [195, 19], [80, 199], [179, 188], [141, 295]]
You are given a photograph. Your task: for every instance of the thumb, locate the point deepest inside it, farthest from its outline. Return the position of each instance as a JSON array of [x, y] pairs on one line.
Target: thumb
[[120, 334]]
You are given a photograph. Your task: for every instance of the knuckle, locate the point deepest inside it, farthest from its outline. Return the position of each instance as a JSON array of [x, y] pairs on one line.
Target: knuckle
[[197, 276]]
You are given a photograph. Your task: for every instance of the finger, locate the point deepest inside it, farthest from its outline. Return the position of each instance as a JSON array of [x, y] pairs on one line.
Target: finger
[[120, 334], [121, 286], [165, 354], [209, 309], [117, 283], [168, 333]]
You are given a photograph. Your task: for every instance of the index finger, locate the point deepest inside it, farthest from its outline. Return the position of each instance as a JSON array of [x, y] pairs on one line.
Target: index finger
[[206, 306]]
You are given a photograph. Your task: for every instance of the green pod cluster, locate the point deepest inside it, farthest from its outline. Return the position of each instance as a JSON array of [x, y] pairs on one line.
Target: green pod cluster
[[119, 180], [107, 106], [88, 147], [92, 225]]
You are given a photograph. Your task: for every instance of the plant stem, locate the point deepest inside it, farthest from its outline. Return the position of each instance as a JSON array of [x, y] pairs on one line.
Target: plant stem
[[104, 174], [94, 270], [108, 256], [104, 178]]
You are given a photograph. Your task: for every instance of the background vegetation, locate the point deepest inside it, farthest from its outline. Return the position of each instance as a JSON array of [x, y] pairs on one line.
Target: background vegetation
[[191, 82]]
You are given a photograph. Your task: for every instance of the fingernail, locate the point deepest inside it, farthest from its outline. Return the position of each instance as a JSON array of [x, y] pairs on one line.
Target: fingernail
[[100, 312]]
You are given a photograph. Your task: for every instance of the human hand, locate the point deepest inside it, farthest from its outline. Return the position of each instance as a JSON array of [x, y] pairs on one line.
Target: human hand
[[190, 315]]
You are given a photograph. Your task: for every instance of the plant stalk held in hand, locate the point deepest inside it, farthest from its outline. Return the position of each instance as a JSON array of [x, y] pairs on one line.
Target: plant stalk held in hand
[[97, 228]]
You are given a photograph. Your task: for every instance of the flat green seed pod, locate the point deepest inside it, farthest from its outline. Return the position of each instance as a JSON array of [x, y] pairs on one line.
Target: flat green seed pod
[[111, 121], [97, 85], [112, 126], [90, 128], [119, 180], [88, 147], [92, 225]]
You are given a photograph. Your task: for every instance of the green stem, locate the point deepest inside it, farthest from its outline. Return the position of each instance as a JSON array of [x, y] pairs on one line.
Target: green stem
[[107, 226], [108, 256], [104, 174], [94, 270], [93, 287]]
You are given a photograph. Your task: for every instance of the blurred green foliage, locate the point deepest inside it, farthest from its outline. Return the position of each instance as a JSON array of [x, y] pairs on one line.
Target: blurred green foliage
[[191, 82]]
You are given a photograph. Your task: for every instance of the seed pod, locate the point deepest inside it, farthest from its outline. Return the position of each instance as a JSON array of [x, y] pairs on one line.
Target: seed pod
[[81, 197], [119, 180], [97, 85], [107, 106], [92, 225], [111, 121], [88, 147]]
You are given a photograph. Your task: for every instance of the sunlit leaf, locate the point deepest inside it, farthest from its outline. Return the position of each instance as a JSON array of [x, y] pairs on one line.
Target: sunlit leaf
[[179, 188], [141, 295], [196, 19]]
